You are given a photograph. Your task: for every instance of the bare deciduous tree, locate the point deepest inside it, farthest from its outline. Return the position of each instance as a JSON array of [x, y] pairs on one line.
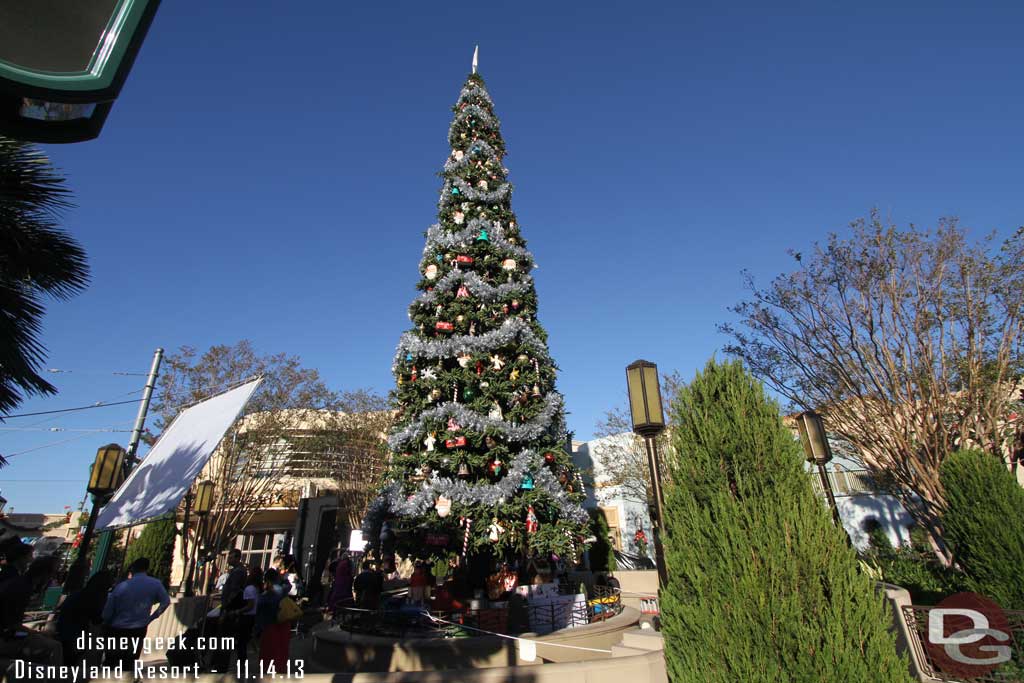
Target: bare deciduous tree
[[907, 341], [295, 431], [623, 462]]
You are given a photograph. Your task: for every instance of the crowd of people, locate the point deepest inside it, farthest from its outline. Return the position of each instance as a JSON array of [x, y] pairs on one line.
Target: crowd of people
[[252, 610], [100, 607]]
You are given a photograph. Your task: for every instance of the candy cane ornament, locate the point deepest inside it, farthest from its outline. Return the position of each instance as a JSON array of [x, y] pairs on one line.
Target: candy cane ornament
[[465, 539]]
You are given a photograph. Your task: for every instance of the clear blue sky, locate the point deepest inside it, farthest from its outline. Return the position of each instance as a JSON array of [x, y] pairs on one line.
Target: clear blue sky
[[268, 174]]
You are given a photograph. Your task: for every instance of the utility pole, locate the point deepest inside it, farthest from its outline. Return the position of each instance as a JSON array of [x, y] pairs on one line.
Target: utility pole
[[131, 455]]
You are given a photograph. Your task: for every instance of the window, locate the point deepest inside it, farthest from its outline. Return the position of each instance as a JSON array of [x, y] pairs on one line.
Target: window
[[260, 548]]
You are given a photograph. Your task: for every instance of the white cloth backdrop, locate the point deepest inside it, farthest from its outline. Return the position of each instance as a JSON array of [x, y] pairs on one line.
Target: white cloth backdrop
[[158, 484]]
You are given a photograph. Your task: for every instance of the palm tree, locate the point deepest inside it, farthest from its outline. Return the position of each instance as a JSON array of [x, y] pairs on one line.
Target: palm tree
[[37, 258]]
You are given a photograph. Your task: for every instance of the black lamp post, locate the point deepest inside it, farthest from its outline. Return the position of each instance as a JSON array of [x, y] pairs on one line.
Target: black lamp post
[[819, 452], [202, 507], [106, 475], [649, 421]]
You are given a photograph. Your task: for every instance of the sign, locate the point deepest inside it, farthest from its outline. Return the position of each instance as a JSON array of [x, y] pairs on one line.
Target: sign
[[63, 62], [437, 539]]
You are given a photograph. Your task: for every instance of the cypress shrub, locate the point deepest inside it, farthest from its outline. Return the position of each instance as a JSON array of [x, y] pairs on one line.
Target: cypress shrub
[[602, 555], [157, 543], [984, 525], [761, 584]]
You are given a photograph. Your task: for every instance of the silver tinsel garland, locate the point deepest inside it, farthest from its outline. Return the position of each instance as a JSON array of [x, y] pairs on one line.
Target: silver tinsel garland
[[393, 499], [472, 194], [472, 110], [474, 90], [411, 434], [477, 287], [433, 349], [483, 150], [438, 236]]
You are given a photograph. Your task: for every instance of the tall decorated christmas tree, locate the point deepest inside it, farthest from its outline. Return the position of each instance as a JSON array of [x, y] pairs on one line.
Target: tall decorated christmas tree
[[478, 460]]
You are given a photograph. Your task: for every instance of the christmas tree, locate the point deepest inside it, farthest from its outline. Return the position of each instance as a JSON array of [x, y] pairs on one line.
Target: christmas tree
[[478, 464]]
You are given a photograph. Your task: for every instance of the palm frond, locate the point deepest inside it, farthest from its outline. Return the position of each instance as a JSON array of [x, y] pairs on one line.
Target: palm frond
[[37, 259]]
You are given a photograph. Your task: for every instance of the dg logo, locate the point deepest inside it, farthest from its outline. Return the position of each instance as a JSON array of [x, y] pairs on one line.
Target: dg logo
[[968, 635]]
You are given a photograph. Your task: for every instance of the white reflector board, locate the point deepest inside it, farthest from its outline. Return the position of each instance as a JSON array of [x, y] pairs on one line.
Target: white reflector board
[[157, 485]]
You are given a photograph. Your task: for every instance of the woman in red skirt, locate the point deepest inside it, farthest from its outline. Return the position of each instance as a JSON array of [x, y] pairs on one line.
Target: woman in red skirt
[[275, 636]]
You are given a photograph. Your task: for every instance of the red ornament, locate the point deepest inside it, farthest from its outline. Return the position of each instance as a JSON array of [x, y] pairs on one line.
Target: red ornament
[[479, 368], [549, 457], [463, 292], [441, 325], [461, 258], [531, 521], [414, 374], [496, 467], [456, 442]]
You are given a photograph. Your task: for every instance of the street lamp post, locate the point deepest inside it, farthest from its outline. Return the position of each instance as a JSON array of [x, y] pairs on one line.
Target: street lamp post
[[106, 475], [819, 453], [202, 507], [649, 421]]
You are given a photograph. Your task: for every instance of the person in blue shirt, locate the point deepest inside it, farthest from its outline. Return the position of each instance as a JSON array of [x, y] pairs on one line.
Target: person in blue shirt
[[129, 610]]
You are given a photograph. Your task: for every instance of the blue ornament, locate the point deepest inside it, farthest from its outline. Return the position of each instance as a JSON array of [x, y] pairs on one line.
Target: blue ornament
[[483, 236], [439, 258], [455, 190], [408, 356], [527, 484]]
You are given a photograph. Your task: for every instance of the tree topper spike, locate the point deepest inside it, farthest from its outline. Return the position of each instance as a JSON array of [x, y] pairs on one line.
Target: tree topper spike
[[476, 54]]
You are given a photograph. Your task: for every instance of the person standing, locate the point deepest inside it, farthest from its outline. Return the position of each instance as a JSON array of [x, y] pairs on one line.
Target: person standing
[[80, 614], [341, 594], [244, 618], [234, 585], [129, 610], [17, 641], [15, 557], [368, 586], [275, 636], [291, 572]]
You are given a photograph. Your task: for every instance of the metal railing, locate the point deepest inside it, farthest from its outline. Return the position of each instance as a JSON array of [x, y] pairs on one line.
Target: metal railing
[[916, 617], [409, 621], [851, 483]]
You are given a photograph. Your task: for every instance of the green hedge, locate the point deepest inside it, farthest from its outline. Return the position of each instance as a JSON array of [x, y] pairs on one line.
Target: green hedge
[[762, 586], [984, 525], [602, 554], [157, 543]]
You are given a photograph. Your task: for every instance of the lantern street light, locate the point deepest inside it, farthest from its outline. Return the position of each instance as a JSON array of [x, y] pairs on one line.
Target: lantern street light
[[649, 421], [819, 452], [62, 65], [106, 475], [203, 505]]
